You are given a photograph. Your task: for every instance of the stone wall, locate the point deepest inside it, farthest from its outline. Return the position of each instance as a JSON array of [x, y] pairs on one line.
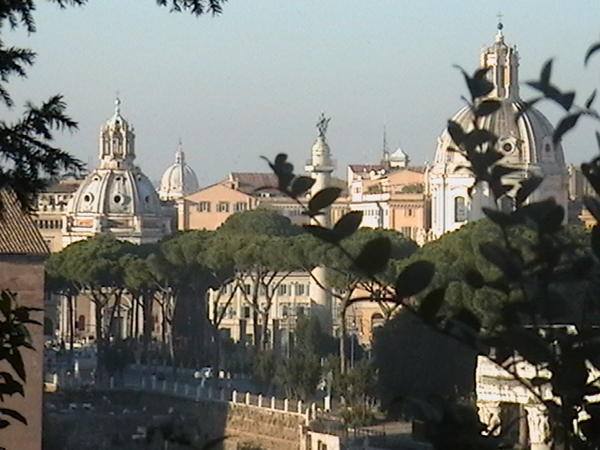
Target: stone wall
[[242, 424]]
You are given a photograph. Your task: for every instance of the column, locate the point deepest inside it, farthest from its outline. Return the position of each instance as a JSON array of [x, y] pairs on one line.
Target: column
[[489, 414], [539, 427]]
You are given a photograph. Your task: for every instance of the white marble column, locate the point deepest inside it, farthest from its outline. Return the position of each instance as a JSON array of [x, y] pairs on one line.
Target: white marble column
[[539, 427], [489, 414]]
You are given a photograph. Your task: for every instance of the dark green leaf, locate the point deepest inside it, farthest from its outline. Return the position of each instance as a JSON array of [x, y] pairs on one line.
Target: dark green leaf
[[499, 217], [499, 171], [478, 85], [487, 107], [528, 185], [525, 106], [348, 224], [469, 319], [374, 256], [325, 234], [593, 206], [478, 137], [14, 414], [456, 132], [565, 125], [9, 385], [301, 185], [16, 362], [431, 304], [590, 101], [323, 199], [596, 240], [414, 278], [593, 49], [546, 72]]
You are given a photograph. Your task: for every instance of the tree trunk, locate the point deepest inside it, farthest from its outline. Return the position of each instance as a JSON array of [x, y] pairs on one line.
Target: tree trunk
[[265, 330], [147, 304], [343, 333], [255, 315], [70, 323]]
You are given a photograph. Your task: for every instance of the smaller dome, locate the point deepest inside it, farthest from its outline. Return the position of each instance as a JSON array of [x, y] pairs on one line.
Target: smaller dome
[[178, 180], [399, 158]]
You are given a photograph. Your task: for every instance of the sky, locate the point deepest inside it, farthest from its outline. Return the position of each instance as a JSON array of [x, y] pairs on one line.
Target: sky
[[254, 80]]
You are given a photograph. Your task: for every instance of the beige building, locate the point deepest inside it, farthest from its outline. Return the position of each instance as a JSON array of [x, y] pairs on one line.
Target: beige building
[[209, 207], [290, 301], [396, 199], [51, 211]]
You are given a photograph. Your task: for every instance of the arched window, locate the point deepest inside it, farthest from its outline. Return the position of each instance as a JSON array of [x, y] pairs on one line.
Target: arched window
[[460, 209], [377, 320]]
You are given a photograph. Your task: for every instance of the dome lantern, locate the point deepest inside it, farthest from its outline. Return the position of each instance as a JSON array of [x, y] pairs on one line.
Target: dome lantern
[[117, 141]]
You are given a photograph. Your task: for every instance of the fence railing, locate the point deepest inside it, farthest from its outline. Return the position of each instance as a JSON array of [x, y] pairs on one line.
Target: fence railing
[[202, 391]]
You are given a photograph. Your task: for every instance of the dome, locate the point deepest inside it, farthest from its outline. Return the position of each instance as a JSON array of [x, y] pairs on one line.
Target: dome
[[116, 191], [116, 197], [399, 158], [524, 139], [178, 180], [525, 142]]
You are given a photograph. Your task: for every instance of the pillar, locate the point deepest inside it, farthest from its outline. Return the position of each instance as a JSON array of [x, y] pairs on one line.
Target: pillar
[[489, 414], [539, 427]]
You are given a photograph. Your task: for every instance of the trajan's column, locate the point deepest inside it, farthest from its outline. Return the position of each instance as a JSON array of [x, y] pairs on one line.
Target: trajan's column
[[320, 168]]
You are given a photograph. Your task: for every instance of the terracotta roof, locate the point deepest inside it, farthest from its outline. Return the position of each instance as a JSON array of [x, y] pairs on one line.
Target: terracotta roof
[[248, 182], [18, 233], [366, 167]]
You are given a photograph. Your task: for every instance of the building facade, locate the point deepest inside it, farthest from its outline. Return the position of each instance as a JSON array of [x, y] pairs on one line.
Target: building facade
[[525, 140]]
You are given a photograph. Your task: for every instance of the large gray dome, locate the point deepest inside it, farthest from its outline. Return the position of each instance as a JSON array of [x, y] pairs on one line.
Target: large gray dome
[[116, 197], [526, 142]]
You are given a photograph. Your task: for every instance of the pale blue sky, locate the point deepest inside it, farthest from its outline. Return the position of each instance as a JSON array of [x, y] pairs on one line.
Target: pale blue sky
[[252, 81]]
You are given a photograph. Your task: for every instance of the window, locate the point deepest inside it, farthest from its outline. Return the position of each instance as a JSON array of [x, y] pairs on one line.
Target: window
[[247, 289], [408, 212], [203, 207], [246, 312], [240, 206], [460, 209], [282, 289], [81, 323], [299, 289], [223, 207], [284, 310], [300, 311]]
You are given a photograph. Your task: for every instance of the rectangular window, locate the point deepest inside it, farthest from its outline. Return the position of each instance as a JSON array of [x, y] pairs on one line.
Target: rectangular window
[[223, 207], [240, 206], [203, 206], [299, 289], [246, 312], [282, 289], [247, 289], [284, 310]]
